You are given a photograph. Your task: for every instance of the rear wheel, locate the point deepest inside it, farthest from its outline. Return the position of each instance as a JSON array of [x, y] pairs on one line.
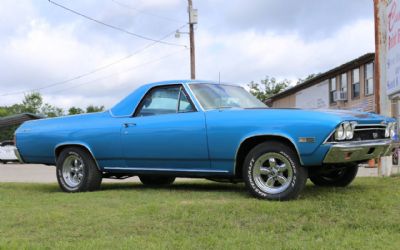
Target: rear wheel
[[156, 180], [77, 171], [340, 177], [272, 171]]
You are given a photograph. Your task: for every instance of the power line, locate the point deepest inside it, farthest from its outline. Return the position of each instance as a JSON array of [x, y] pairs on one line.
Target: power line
[[117, 73], [145, 12], [92, 71], [113, 26]]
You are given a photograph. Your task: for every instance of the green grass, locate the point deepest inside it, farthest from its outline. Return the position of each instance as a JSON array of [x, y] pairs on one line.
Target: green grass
[[200, 215]]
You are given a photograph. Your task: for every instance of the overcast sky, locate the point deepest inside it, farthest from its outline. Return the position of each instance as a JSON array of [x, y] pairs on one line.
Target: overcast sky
[[42, 45]]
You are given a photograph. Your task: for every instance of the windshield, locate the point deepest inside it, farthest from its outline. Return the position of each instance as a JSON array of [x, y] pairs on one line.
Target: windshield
[[215, 96]]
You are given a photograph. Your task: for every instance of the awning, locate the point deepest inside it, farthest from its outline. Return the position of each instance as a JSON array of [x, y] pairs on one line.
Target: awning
[[17, 119]]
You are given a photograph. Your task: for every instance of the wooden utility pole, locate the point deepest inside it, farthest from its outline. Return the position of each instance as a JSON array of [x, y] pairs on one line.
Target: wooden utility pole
[[192, 22]]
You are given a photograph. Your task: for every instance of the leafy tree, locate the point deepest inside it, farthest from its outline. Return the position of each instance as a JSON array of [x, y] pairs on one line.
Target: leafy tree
[[4, 111], [267, 87], [92, 109], [75, 111], [32, 103], [300, 80], [51, 111]]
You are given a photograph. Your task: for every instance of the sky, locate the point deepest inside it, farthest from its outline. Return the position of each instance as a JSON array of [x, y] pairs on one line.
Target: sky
[[73, 61]]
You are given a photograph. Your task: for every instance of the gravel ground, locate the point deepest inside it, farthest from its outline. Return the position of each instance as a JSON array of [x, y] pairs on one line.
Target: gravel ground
[[38, 173]]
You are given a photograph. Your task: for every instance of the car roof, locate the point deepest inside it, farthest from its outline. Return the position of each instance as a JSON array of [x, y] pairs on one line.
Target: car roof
[[160, 83], [124, 107]]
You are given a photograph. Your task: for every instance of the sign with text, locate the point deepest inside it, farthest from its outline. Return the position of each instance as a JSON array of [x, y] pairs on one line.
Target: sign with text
[[393, 47]]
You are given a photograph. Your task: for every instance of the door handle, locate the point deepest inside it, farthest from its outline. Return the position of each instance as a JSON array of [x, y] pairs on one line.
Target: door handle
[[126, 125]]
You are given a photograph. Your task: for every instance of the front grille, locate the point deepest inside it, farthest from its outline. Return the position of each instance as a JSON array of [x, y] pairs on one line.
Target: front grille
[[370, 134], [366, 133]]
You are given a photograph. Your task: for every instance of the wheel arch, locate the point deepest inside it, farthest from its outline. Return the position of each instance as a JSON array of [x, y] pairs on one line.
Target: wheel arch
[[60, 147], [250, 142]]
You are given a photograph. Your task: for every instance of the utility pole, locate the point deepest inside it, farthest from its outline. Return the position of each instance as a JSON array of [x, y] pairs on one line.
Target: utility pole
[[192, 21]]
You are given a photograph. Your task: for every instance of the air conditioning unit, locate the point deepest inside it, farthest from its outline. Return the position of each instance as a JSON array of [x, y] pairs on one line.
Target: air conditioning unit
[[340, 96]]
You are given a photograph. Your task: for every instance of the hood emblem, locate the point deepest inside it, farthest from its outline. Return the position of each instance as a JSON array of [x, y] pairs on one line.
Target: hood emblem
[[375, 135]]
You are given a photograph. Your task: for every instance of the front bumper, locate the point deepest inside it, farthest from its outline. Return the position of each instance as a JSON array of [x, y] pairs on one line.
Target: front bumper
[[18, 155], [359, 151]]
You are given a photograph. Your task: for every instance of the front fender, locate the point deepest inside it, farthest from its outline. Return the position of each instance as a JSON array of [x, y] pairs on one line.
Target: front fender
[[278, 134], [58, 148]]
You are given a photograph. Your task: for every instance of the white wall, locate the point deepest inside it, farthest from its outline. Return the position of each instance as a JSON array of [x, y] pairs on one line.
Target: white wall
[[314, 97]]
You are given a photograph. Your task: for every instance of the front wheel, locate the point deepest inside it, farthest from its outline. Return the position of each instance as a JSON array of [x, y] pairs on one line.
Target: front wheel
[[77, 171], [340, 177], [272, 171]]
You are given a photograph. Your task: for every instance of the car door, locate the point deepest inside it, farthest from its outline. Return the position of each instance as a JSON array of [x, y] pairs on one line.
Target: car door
[[166, 133]]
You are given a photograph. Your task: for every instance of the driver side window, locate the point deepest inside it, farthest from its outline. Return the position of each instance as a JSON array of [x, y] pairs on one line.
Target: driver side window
[[164, 100]]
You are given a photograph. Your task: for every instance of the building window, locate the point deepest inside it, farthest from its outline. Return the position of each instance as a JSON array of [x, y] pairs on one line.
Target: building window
[[355, 86], [369, 79], [343, 82], [332, 89]]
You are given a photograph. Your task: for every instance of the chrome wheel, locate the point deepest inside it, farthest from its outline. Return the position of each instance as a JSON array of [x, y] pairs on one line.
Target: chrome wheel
[[72, 171], [272, 173]]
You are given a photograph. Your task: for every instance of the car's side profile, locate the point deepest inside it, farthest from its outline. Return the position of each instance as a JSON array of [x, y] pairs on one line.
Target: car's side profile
[[208, 130]]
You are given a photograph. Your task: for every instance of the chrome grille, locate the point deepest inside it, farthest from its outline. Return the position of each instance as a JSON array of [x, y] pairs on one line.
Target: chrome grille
[[365, 132]]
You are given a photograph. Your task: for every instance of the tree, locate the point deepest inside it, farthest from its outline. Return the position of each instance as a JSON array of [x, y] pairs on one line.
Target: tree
[[75, 111], [32, 103], [92, 109], [51, 111], [309, 77], [267, 87]]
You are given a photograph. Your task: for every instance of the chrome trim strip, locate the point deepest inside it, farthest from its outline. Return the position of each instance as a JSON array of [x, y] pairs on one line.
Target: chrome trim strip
[[329, 136], [367, 143], [366, 129], [197, 103], [371, 125], [171, 170]]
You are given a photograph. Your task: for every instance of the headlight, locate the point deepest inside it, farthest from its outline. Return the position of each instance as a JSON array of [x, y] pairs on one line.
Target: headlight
[[340, 133], [390, 130], [345, 131]]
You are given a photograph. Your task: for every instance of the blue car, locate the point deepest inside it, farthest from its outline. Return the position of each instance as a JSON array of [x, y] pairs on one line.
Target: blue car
[[199, 129]]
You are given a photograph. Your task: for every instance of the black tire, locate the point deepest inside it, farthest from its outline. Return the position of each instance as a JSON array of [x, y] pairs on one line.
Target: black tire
[[336, 178], [3, 162], [156, 180], [91, 176], [295, 175]]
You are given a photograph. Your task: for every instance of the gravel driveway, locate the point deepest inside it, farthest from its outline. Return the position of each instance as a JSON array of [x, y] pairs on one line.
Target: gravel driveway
[[36, 173], [47, 174]]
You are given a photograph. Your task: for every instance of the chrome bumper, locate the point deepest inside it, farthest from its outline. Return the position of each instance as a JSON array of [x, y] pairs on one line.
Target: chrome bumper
[[358, 151], [17, 154]]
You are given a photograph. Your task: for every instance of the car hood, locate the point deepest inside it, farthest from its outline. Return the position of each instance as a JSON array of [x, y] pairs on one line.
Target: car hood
[[331, 115], [353, 115]]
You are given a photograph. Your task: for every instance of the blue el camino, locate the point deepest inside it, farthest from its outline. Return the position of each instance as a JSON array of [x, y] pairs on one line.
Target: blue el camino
[[202, 129]]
